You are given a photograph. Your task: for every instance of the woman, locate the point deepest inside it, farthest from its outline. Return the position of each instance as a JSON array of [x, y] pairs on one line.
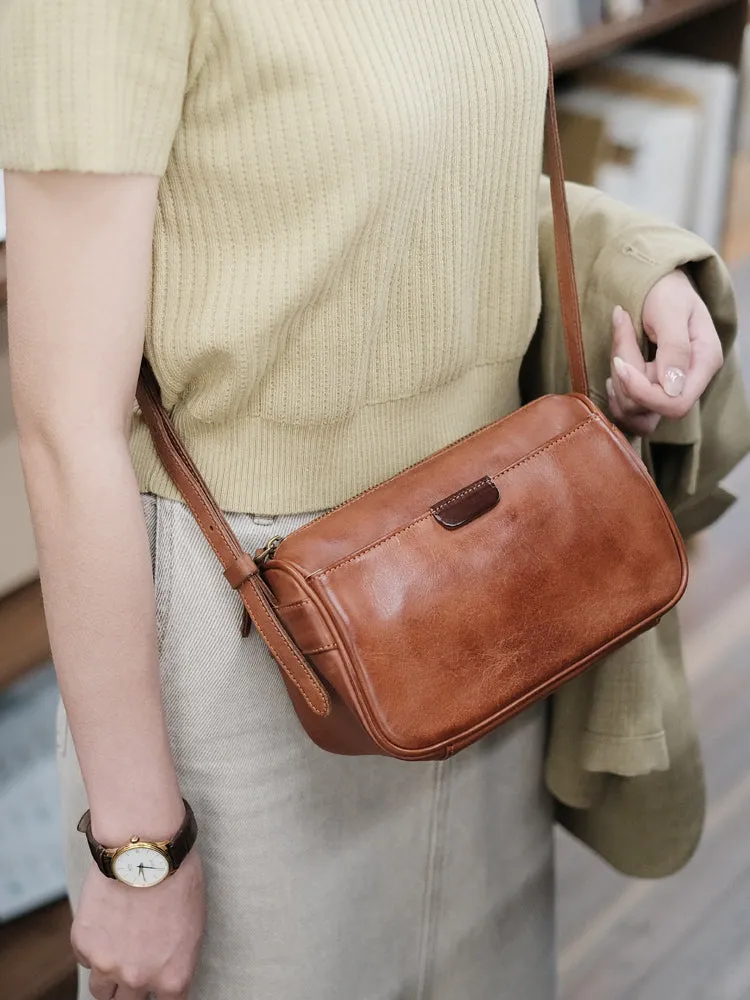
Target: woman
[[321, 219]]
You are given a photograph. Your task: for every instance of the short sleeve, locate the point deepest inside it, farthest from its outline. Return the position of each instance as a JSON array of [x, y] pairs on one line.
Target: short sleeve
[[92, 85]]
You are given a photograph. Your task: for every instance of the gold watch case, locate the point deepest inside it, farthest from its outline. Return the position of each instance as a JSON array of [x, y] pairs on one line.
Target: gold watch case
[[135, 844]]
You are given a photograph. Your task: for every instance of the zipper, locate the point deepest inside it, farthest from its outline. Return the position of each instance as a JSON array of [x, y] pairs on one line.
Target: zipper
[[262, 556], [371, 489]]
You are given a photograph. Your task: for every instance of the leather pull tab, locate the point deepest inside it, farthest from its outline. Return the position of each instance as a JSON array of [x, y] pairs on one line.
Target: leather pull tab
[[467, 504]]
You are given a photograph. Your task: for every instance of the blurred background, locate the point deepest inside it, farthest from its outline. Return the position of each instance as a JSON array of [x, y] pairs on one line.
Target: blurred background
[[654, 109]]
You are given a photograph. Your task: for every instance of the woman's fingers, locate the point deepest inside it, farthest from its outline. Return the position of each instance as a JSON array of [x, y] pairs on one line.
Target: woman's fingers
[[637, 384], [688, 349], [666, 315], [688, 355], [641, 423], [625, 408], [645, 395], [625, 350], [102, 986], [625, 340], [131, 993], [639, 393], [141, 942], [707, 356]]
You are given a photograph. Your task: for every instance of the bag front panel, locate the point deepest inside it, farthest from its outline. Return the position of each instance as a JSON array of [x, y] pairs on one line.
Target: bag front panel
[[396, 502], [449, 629]]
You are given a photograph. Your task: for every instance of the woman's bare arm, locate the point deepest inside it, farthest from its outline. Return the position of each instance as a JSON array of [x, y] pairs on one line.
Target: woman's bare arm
[[79, 259]]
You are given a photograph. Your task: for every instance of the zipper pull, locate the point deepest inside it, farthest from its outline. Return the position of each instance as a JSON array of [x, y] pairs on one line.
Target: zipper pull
[[262, 556]]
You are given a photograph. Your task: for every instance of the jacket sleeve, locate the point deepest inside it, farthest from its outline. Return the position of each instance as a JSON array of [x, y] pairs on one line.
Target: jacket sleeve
[[619, 254]]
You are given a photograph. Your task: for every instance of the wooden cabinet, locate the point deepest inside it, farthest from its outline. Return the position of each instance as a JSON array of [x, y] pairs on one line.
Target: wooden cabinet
[[23, 633], [708, 28], [36, 962]]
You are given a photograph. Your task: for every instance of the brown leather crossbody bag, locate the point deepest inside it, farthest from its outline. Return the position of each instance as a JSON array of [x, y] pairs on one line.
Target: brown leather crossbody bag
[[423, 613]]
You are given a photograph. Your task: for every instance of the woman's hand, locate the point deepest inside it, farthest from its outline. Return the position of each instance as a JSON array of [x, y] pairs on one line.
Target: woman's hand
[[688, 355], [140, 940]]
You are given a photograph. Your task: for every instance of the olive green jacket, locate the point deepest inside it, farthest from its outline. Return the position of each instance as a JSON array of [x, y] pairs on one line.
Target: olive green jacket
[[623, 759]]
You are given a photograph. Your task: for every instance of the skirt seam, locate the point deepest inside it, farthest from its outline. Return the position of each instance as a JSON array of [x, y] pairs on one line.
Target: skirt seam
[[432, 880]]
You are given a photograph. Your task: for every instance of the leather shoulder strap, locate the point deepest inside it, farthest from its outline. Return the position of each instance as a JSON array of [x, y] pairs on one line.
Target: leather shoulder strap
[[239, 568], [566, 275]]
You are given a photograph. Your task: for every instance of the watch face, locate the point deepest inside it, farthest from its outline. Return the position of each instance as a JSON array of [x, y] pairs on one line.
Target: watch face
[[140, 866]]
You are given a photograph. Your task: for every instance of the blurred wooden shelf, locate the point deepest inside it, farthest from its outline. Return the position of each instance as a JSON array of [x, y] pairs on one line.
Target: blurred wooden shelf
[[24, 643], [737, 242], [656, 19], [36, 959]]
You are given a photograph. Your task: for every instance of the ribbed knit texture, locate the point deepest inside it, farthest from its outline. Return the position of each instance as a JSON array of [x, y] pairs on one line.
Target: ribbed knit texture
[[345, 260]]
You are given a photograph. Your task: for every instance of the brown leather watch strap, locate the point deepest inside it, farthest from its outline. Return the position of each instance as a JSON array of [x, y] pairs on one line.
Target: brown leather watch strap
[[178, 847], [239, 568], [98, 851]]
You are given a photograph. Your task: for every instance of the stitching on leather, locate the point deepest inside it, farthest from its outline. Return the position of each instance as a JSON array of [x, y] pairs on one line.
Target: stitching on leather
[[307, 672], [423, 517], [449, 501], [195, 501], [288, 673], [416, 465], [296, 604], [206, 531], [299, 604], [184, 471]]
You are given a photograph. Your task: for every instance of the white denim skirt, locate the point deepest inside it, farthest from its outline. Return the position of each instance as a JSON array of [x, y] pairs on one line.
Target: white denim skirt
[[327, 877]]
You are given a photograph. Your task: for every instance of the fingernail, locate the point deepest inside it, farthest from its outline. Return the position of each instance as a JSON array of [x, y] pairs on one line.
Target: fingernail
[[674, 381], [610, 388], [621, 368], [617, 315]]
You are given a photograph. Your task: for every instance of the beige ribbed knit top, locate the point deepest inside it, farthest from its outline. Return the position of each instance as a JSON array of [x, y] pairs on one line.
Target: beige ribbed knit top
[[345, 267]]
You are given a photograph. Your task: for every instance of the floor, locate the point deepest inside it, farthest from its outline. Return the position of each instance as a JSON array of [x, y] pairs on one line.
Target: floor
[[687, 937]]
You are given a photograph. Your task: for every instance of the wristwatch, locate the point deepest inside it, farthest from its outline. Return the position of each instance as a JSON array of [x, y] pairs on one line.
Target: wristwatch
[[142, 863]]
